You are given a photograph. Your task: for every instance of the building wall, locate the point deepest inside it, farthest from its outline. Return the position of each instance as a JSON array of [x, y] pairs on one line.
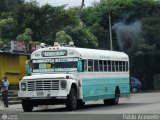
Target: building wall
[[13, 66], [22, 63]]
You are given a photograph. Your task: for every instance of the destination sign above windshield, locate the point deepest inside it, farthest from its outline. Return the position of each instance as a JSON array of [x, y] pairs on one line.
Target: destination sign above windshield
[[54, 53]]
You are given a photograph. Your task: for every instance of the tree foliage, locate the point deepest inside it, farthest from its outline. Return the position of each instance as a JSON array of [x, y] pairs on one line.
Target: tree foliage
[[9, 5], [8, 28], [63, 38], [82, 37], [26, 36]]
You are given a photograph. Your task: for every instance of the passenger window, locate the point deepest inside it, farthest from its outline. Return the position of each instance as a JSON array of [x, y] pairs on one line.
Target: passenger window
[[113, 66], [116, 66], [96, 68], [90, 65], [109, 66], [105, 65], [84, 63], [101, 65], [124, 66], [120, 66]]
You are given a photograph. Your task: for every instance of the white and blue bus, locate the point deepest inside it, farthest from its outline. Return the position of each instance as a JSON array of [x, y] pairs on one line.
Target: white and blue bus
[[73, 76]]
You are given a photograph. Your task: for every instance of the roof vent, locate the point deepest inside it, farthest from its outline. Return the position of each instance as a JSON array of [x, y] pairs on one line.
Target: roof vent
[[42, 45], [56, 44], [71, 44]]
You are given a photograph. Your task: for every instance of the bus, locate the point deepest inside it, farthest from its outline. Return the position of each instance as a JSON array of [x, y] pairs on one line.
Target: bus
[[73, 76]]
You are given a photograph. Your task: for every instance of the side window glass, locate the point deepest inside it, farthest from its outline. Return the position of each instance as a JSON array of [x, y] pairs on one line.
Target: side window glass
[[96, 68], [109, 66], [124, 66], [113, 66], [90, 65], [120, 66], [116, 62], [105, 65], [84, 62], [101, 65]]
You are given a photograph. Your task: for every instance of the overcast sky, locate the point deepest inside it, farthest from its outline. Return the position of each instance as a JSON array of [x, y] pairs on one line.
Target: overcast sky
[[62, 2]]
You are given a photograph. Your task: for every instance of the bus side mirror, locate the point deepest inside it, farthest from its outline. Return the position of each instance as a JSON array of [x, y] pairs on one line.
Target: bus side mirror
[[79, 66]]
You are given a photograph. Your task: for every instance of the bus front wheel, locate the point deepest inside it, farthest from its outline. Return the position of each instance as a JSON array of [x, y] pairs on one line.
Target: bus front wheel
[[71, 103], [27, 106], [80, 104]]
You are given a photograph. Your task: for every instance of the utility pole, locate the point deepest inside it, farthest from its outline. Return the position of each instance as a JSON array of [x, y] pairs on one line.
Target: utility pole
[[82, 5], [80, 11], [110, 27]]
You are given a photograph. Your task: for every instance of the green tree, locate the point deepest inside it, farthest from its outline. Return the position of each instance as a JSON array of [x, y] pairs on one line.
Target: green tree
[[52, 20], [8, 29], [101, 34], [29, 15], [1, 43], [82, 37], [9, 5], [62, 37], [26, 36]]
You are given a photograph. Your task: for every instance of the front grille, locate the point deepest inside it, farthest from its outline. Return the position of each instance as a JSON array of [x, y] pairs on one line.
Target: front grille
[[43, 85]]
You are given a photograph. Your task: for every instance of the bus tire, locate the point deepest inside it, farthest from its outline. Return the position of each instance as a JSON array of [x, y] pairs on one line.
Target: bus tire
[[71, 103], [107, 101], [113, 101], [80, 104], [27, 106]]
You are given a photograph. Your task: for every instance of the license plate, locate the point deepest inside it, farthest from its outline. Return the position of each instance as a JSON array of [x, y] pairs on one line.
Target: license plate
[[40, 94]]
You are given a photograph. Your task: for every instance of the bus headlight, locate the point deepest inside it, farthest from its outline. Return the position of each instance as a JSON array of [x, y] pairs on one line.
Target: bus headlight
[[63, 84], [23, 86]]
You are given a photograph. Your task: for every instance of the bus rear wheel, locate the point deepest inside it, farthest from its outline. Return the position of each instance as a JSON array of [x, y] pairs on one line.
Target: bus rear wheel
[[71, 103], [113, 101], [27, 106]]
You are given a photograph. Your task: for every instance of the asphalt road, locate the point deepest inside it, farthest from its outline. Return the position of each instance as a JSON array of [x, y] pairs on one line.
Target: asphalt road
[[128, 108]]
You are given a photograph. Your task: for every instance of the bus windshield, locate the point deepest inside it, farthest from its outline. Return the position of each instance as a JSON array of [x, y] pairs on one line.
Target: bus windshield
[[54, 65]]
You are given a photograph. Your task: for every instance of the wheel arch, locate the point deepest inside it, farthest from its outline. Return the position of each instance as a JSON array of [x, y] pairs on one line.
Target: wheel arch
[[73, 85], [117, 90], [70, 84]]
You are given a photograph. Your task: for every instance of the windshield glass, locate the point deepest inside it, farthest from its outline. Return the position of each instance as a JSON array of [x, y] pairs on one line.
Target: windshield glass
[[54, 65]]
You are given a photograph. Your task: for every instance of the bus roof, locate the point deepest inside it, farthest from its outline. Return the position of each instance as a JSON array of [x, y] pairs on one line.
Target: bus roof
[[85, 53]]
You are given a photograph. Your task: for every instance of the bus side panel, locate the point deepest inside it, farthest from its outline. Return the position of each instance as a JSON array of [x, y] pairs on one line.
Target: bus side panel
[[124, 86], [89, 88], [97, 88], [104, 88]]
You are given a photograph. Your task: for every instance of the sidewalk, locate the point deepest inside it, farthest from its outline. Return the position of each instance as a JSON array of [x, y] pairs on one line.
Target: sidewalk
[[11, 107], [18, 107]]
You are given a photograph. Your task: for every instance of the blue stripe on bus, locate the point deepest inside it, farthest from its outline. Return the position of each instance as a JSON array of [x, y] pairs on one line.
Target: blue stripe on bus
[[104, 88]]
